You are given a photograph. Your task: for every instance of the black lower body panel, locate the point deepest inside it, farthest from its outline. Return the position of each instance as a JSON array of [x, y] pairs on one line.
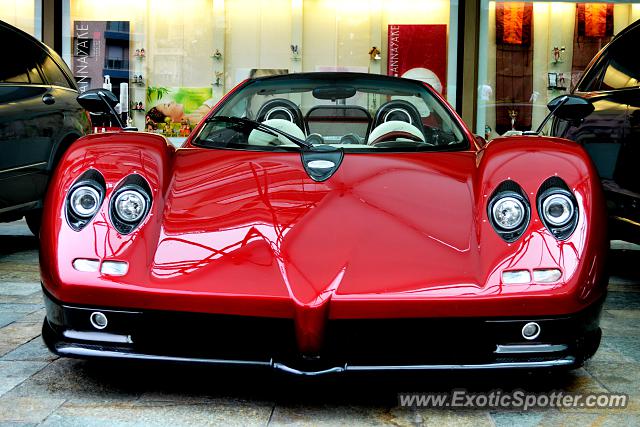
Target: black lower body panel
[[350, 345]]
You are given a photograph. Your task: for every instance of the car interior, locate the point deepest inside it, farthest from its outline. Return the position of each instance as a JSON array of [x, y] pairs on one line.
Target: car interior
[[339, 116]]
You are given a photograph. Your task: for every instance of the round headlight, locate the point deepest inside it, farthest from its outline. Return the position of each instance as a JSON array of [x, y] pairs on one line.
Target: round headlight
[[85, 201], [130, 205], [508, 213], [557, 209]]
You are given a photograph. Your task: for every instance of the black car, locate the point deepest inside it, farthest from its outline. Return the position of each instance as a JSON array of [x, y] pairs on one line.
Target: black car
[[611, 134], [39, 119]]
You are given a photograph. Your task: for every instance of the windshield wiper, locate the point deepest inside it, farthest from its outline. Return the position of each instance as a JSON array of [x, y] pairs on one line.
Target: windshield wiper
[[262, 128]]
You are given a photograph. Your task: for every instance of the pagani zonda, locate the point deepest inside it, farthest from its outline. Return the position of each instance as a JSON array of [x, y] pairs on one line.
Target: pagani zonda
[[328, 222]]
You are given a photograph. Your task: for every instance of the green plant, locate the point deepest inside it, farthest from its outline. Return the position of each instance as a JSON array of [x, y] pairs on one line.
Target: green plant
[[156, 93]]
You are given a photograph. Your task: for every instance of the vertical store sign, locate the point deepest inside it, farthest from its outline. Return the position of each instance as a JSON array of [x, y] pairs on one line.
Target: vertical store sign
[[419, 52], [81, 54]]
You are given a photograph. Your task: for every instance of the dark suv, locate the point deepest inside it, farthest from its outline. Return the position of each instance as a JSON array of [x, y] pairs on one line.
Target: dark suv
[[39, 119], [611, 134]]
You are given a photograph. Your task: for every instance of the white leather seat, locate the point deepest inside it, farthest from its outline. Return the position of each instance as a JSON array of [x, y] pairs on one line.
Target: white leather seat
[[394, 126], [257, 137]]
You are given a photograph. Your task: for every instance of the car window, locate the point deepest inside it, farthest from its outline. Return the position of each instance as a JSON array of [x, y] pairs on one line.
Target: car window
[[622, 70], [54, 74], [23, 54], [356, 113]]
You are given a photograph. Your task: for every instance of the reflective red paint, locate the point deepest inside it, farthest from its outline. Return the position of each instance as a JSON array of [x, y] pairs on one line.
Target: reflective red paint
[[389, 235]]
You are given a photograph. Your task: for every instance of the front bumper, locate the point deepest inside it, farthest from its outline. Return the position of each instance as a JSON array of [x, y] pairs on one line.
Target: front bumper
[[349, 346]]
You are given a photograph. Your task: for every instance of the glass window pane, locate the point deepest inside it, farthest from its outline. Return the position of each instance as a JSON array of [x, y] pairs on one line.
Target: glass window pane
[[623, 70], [23, 53], [170, 55], [534, 51], [55, 76]]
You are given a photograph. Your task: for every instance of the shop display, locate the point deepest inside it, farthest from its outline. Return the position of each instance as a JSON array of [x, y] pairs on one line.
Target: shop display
[[419, 52], [611, 133], [533, 51], [294, 236], [100, 51], [374, 54], [172, 110], [593, 30], [514, 66]]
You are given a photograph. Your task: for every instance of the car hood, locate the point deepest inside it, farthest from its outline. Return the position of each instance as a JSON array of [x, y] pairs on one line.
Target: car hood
[[255, 223]]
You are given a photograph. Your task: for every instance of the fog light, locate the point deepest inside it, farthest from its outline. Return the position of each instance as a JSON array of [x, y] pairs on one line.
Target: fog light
[[98, 320], [114, 268], [530, 331], [516, 276], [549, 275], [86, 265]]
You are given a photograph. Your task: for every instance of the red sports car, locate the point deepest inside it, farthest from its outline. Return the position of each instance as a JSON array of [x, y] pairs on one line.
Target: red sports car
[[326, 222]]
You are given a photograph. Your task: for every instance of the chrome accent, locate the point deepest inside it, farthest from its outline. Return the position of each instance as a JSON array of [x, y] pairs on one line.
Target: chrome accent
[[279, 109], [545, 207], [21, 206], [565, 361], [530, 348], [65, 349], [97, 336], [321, 164], [510, 199], [24, 167], [95, 321], [93, 193], [628, 221], [398, 110], [534, 336], [75, 351], [285, 368]]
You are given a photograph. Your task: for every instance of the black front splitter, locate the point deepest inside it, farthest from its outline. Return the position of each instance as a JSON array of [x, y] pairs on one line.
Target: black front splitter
[[95, 351]]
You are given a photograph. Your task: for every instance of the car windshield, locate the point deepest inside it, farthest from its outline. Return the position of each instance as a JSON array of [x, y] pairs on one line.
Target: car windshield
[[353, 112]]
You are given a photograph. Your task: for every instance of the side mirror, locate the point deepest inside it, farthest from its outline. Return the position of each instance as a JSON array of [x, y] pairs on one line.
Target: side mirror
[[100, 101], [570, 107], [480, 141]]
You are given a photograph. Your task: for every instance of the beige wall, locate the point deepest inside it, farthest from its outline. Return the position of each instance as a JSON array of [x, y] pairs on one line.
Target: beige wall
[[21, 14]]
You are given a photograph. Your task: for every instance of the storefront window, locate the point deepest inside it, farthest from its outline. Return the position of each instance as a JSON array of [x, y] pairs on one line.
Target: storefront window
[[23, 14], [177, 59], [536, 51]]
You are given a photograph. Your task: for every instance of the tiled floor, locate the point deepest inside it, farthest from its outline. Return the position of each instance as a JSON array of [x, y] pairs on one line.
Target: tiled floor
[[37, 388]]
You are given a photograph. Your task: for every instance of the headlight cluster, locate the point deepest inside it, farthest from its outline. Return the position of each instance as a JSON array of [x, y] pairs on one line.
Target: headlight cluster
[[130, 204], [509, 209], [130, 201], [558, 208], [84, 199]]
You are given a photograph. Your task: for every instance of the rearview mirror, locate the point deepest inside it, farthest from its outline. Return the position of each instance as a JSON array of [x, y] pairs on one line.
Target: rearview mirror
[[334, 92], [570, 107]]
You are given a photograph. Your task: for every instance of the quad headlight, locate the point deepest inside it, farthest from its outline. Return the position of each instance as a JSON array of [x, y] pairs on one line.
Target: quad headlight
[[130, 206], [85, 201], [557, 209], [508, 212]]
